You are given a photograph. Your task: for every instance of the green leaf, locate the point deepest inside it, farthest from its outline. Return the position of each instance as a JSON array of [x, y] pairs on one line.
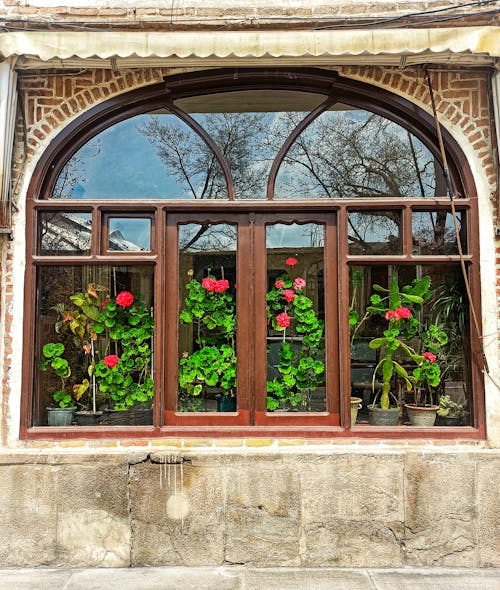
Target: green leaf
[[377, 343]]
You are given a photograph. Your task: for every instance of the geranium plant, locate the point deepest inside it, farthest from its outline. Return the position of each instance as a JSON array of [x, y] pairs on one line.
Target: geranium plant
[[300, 368], [406, 341], [53, 359], [210, 308], [112, 346]]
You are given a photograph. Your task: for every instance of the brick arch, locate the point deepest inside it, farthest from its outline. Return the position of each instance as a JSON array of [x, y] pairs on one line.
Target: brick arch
[[461, 97]]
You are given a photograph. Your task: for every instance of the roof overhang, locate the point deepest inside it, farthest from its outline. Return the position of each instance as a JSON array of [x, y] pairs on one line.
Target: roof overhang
[[479, 46]]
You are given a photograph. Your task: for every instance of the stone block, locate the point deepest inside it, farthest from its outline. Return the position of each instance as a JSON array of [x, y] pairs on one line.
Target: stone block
[[488, 507], [440, 510], [262, 515], [27, 515], [92, 515], [352, 510], [177, 515]]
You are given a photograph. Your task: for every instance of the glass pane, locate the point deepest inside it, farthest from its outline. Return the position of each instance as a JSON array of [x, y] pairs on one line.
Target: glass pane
[[425, 325], [94, 342], [349, 152], [295, 312], [249, 127], [64, 234], [127, 234], [151, 156], [207, 321], [434, 232], [374, 232]]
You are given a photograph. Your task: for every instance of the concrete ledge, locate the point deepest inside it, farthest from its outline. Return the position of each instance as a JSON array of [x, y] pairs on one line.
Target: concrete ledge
[[241, 578]]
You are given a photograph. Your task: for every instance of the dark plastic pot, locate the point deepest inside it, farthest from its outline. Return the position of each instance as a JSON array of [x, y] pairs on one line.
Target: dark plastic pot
[[87, 418], [225, 403]]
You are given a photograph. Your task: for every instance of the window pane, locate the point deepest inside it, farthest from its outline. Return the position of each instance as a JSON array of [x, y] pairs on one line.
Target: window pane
[[438, 326], [374, 232], [207, 322], [434, 232], [249, 128], [151, 156], [64, 234], [129, 234], [94, 342], [295, 311], [349, 152]]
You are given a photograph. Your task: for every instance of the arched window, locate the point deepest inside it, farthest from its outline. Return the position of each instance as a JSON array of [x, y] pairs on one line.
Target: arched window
[[232, 250]]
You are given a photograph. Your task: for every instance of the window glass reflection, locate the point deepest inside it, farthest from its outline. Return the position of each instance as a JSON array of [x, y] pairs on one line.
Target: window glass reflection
[[374, 232], [64, 233], [128, 234], [249, 127], [434, 232], [151, 156], [348, 152]]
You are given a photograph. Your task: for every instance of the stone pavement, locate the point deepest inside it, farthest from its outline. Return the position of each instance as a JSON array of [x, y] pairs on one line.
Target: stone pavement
[[246, 578]]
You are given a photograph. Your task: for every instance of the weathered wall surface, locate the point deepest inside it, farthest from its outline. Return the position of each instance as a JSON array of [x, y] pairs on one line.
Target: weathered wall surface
[[364, 508]]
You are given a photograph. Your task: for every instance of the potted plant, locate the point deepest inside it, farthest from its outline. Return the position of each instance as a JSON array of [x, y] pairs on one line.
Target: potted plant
[[96, 325], [401, 347], [451, 413], [210, 369], [300, 368], [62, 413], [124, 371]]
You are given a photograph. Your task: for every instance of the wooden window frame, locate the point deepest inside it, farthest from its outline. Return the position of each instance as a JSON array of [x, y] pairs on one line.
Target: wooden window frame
[[165, 216]]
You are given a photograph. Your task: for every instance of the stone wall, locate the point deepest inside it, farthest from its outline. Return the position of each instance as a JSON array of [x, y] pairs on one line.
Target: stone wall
[[324, 507]]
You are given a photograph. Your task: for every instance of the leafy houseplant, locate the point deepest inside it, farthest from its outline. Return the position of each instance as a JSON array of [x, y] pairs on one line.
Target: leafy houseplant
[[403, 342], [210, 308], [94, 325], [450, 412], [53, 359], [300, 367]]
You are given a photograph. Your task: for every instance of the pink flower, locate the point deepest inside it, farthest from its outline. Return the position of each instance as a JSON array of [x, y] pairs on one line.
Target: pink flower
[[124, 299], [111, 360], [221, 286], [404, 312], [430, 357], [392, 315], [103, 304], [208, 284], [299, 283], [291, 261], [279, 284], [289, 295], [283, 320]]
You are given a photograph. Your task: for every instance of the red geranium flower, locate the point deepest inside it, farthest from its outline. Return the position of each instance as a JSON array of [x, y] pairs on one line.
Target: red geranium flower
[[403, 312], [430, 357], [221, 286], [299, 283], [392, 314], [111, 360], [283, 320], [279, 284], [291, 261], [208, 283], [103, 304], [124, 299], [289, 295]]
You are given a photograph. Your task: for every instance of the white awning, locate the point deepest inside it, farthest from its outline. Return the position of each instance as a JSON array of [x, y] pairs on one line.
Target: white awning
[[464, 45]]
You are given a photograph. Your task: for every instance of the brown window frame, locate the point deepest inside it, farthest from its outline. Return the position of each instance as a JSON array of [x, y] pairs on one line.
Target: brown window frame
[[252, 214]]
